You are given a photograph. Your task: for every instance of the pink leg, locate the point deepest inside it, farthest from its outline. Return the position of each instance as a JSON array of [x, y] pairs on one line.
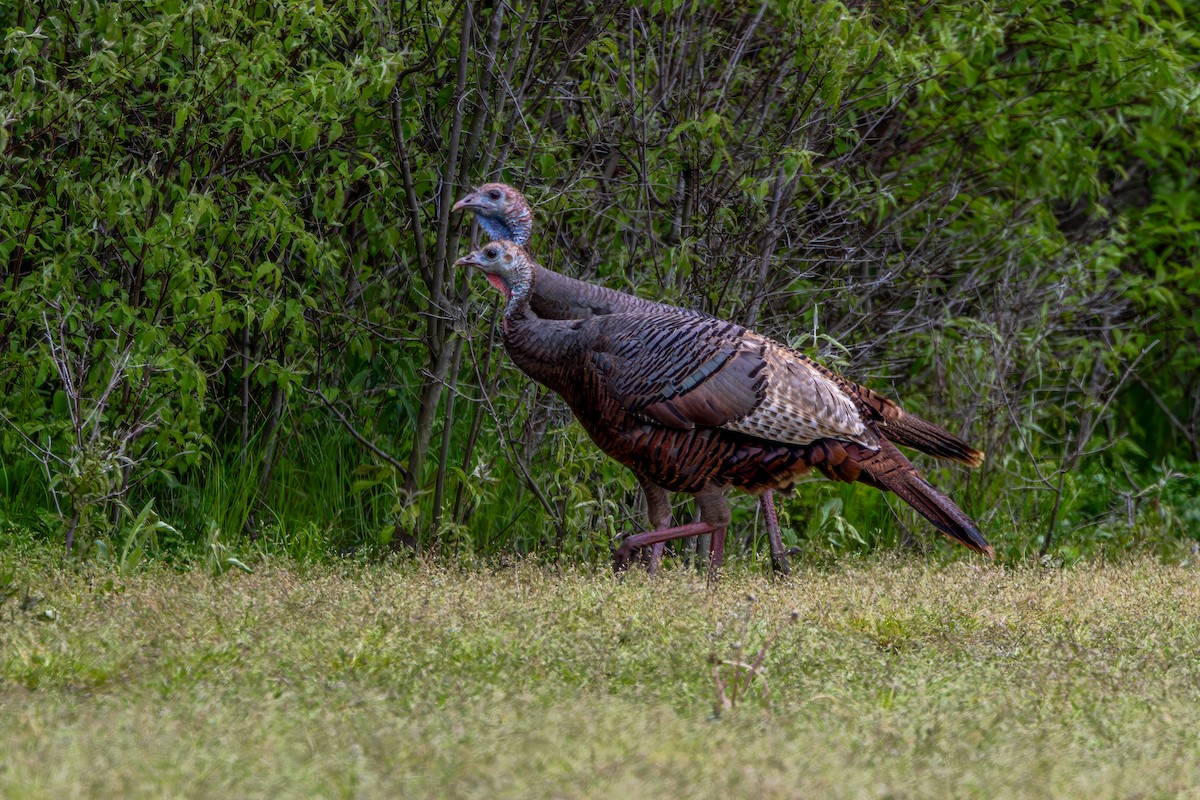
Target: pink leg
[[714, 510], [714, 515], [622, 555], [716, 554], [779, 562], [658, 511]]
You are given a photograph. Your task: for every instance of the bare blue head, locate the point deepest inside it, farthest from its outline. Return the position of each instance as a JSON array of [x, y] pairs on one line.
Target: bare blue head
[[501, 211]]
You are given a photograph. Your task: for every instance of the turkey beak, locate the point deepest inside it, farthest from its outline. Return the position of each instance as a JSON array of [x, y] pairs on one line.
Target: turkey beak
[[468, 203], [467, 261]]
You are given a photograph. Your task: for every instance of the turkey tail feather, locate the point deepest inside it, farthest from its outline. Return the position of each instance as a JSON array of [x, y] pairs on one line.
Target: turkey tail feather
[[925, 437], [889, 469], [941, 511]]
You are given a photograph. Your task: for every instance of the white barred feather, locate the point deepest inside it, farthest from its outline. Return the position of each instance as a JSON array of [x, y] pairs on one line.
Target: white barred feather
[[800, 405]]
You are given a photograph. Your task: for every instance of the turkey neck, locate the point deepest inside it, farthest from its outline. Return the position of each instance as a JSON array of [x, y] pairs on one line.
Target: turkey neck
[[543, 349], [557, 296], [518, 229]]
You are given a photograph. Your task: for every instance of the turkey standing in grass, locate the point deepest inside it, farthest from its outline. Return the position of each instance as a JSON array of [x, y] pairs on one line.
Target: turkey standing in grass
[[504, 213], [693, 404]]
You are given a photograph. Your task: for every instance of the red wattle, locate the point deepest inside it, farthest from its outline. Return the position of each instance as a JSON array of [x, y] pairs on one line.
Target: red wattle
[[499, 283]]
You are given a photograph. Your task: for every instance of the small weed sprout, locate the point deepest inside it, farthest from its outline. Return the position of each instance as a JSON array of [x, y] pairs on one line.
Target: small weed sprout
[[736, 678], [141, 539], [219, 559]]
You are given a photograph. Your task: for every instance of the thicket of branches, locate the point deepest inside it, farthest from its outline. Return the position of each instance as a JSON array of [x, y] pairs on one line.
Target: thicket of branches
[[228, 306]]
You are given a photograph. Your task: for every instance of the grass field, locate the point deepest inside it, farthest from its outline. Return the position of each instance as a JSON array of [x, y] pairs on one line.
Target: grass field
[[893, 678]]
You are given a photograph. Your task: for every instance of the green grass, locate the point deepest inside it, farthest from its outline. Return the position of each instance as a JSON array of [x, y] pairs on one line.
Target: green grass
[[896, 679]]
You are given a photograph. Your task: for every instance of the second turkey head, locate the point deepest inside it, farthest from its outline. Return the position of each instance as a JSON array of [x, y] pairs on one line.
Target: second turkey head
[[507, 266], [501, 211]]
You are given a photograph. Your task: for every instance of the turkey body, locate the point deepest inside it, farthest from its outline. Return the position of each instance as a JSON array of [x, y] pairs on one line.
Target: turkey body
[[697, 405], [677, 458]]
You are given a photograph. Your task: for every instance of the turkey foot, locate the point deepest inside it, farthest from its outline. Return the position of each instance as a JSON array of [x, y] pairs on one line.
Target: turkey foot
[[656, 555], [651, 557]]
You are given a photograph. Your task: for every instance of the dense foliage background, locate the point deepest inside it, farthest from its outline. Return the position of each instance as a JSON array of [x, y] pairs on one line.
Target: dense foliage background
[[228, 317]]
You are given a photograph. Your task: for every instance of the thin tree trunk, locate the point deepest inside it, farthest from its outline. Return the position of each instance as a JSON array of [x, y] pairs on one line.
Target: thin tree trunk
[[439, 487], [438, 346]]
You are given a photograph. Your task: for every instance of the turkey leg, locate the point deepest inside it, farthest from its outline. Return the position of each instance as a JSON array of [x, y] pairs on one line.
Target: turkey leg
[[623, 553], [658, 511], [714, 516], [779, 561], [714, 509]]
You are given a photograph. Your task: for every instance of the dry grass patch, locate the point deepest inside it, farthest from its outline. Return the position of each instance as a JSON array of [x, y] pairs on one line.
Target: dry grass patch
[[897, 679]]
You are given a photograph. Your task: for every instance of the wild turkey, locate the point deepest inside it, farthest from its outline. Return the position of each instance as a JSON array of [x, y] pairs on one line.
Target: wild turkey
[[697, 405], [503, 213]]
